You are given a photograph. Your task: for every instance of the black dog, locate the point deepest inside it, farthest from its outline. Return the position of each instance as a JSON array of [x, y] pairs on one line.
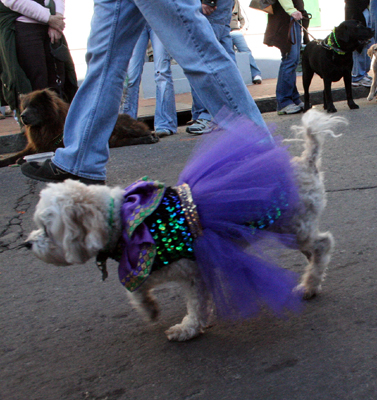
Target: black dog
[[331, 59]]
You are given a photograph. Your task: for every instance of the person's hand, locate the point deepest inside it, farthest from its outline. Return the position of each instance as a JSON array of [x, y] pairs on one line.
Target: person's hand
[[208, 10], [54, 35], [57, 22], [297, 15]]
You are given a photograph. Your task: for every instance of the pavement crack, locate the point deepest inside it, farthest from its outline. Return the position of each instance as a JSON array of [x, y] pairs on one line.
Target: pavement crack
[[13, 231], [351, 189]]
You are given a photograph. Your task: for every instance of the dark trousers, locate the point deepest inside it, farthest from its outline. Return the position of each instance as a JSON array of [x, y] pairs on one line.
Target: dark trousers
[[34, 57]]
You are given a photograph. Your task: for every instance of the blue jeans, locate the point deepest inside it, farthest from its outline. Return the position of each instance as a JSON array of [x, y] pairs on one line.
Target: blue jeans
[[165, 115], [116, 27], [361, 61], [240, 44], [219, 20], [286, 89], [373, 17]]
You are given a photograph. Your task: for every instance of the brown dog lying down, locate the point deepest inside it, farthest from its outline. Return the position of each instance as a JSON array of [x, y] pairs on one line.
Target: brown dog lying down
[[43, 114]]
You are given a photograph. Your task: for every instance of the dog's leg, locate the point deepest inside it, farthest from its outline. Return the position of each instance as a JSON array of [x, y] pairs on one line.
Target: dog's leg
[[373, 89], [143, 300], [324, 100], [318, 253], [307, 77], [347, 78], [328, 101], [29, 149], [194, 323]]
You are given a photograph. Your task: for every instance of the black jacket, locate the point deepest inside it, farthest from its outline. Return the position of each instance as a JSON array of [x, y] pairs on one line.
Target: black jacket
[[354, 10], [13, 79], [278, 27]]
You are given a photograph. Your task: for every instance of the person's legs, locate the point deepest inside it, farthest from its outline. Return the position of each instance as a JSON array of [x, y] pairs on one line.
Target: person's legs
[[373, 17], [30, 46], [240, 44], [166, 114], [134, 72], [286, 90], [361, 61], [222, 32], [116, 27], [361, 65], [219, 21], [210, 70]]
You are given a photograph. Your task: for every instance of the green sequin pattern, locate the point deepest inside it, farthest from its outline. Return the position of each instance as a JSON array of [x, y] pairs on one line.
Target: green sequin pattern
[[170, 231], [271, 215]]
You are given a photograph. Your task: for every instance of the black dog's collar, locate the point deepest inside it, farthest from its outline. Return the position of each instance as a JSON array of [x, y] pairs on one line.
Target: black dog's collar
[[328, 44]]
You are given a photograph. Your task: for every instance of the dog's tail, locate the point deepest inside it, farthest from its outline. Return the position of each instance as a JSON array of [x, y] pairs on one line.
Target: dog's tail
[[315, 125]]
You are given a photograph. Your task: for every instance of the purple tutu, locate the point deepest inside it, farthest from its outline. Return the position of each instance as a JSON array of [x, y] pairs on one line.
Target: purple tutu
[[242, 183]]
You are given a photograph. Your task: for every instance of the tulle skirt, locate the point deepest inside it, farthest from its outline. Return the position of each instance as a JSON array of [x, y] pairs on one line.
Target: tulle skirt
[[243, 186]]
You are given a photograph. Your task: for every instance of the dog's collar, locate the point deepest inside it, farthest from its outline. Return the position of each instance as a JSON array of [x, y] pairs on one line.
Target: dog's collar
[[58, 139], [329, 44]]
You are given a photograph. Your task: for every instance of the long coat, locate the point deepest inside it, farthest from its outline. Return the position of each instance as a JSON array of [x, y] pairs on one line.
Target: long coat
[[278, 27]]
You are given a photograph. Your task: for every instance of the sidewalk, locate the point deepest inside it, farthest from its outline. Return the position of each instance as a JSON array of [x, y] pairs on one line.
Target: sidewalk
[[11, 139]]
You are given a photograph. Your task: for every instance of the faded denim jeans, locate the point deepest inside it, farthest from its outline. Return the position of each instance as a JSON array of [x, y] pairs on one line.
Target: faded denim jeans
[[286, 89], [165, 115], [116, 26]]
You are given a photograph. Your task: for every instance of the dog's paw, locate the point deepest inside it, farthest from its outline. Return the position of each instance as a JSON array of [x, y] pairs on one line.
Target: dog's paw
[[353, 106], [370, 97], [182, 332], [307, 292], [331, 110], [154, 138]]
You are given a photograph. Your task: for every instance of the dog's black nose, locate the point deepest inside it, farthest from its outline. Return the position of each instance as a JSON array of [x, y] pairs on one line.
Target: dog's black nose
[[24, 119]]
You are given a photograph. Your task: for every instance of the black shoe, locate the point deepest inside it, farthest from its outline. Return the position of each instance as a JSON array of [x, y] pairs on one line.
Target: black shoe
[[49, 172]]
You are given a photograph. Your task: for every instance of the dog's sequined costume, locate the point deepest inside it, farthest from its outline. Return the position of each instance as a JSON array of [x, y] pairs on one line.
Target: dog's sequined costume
[[241, 183]]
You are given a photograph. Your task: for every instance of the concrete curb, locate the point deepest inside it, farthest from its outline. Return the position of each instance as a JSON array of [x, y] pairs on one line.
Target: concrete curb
[[268, 104], [16, 142], [12, 143]]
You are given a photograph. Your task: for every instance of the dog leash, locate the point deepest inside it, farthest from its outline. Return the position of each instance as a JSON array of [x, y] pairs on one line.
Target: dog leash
[[307, 31], [302, 27]]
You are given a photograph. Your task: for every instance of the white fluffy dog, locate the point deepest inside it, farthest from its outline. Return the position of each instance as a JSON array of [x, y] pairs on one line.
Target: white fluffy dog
[[372, 53], [72, 221]]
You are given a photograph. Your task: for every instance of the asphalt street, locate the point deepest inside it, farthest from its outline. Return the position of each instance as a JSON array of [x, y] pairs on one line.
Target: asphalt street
[[65, 334]]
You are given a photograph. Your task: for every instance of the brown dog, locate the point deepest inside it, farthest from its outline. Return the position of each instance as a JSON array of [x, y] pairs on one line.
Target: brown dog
[[372, 53], [43, 113]]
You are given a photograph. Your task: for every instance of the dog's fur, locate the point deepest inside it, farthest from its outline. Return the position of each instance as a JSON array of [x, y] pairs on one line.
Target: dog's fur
[[43, 113], [72, 228], [372, 53], [330, 66]]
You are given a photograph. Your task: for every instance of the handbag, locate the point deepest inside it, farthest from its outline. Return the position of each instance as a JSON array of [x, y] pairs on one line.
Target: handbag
[[263, 5]]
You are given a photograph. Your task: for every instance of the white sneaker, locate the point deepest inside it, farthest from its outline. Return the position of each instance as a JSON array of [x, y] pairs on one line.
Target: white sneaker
[[363, 82], [199, 127], [257, 80], [290, 109]]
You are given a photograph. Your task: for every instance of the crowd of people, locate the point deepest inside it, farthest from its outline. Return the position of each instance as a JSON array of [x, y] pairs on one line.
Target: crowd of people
[[209, 32]]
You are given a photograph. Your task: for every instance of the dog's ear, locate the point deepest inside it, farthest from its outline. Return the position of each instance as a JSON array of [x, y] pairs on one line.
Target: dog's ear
[[84, 232]]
